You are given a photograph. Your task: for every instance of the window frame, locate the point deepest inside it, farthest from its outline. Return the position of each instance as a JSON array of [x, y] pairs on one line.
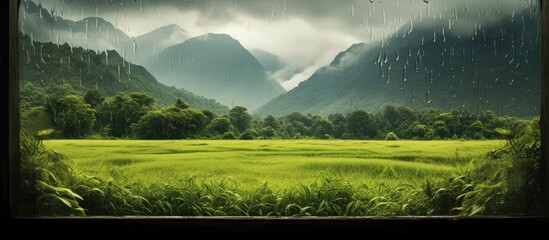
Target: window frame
[[10, 174]]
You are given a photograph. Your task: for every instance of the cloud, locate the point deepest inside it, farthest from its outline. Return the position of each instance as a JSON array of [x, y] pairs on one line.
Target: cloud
[[352, 17], [305, 34]]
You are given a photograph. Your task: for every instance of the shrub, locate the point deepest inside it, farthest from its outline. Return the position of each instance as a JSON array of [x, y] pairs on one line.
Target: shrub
[[228, 136], [391, 136], [508, 186], [247, 135], [45, 177]]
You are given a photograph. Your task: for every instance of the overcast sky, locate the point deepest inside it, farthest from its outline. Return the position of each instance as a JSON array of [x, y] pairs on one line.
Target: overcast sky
[[306, 34]]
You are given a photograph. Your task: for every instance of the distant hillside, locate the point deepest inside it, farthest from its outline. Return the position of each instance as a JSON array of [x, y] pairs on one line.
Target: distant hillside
[[428, 67], [90, 33], [46, 64], [270, 62], [154, 42], [216, 66], [96, 33]]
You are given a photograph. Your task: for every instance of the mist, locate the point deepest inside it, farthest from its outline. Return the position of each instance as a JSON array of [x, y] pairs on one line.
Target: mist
[[305, 34]]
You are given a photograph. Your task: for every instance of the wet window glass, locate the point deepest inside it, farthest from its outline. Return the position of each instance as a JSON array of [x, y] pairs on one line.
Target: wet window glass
[[280, 107]]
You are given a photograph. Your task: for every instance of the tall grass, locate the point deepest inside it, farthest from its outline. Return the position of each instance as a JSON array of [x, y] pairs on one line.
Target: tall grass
[[503, 183], [45, 181]]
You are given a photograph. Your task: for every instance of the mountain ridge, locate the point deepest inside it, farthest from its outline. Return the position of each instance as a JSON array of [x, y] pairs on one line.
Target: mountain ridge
[[216, 66], [49, 65], [433, 69], [96, 33]]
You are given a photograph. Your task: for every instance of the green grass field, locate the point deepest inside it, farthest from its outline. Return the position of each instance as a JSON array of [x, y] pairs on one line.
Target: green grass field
[[280, 163]]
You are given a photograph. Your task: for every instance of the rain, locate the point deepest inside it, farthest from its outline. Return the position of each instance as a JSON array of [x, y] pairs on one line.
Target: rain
[[441, 41]]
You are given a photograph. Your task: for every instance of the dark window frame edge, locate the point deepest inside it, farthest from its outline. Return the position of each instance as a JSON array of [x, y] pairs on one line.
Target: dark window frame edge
[[11, 165]]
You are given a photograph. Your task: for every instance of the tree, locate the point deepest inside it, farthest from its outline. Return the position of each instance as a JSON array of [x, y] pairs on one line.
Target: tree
[[35, 119], [322, 127], [450, 121], [360, 125], [94, 98], [269, 133], [142, 102], [188, 122], [240, 118], [300, 128], [122, 110], [209, 115], [419, 131], [248, 135], [440, 129], [407, 114], [220, 125], [181, 104], [170, 123], [155, 125], [271, 121], [476, 130], [298, 117], [31, 95], [391, 115], [75, 117], [340, 124]]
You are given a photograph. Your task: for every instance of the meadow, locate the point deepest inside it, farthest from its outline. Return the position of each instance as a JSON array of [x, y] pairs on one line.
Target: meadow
[[279, 163]]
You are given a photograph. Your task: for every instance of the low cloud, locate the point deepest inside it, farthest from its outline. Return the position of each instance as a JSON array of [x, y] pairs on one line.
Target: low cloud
[[305, 34]]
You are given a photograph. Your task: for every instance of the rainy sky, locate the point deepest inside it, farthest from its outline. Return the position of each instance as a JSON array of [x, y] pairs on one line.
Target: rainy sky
[[305, 34]]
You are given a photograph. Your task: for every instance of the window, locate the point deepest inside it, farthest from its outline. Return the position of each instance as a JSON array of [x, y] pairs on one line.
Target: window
[[280, 108]]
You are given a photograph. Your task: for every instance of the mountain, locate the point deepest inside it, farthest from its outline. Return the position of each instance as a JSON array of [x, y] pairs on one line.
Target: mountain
[[269, 61], [90, 33], [48, 66], [154, 42], [96, 33], [216, 66], [429, 66]]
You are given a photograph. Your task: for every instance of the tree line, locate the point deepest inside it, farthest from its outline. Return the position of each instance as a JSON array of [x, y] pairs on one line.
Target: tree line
[[135, 115]]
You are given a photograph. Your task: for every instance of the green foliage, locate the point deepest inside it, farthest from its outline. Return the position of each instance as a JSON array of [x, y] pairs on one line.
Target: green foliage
[[339, 124], [170, 123], [49, 75], [345, 86], [35, 119], [240, 118], [483, 187], [322, 127], [181, 104], [248, 135], [75, 117], [391, 136], [219, 125], [94, 98], [44, 181], [361, 125], [419, 131], [507, 183], [209, 115], [269, 133], [271, 121], [228, 136], [122, 110], [116, 116], [223, 70]]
